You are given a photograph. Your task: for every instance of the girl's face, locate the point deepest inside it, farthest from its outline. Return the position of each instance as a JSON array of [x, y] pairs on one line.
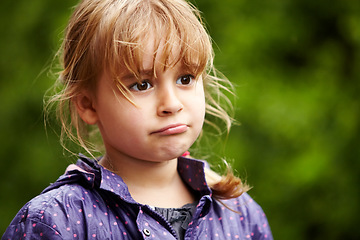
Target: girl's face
[[165, 119]]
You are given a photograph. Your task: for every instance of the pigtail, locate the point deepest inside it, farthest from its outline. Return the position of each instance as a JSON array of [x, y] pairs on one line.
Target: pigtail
[[227, 186]]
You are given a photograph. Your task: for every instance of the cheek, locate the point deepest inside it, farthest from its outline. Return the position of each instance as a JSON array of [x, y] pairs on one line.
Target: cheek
[[201, 99], [117, 117], [197, 105], [122, 128], [131, 118], [201, 112]]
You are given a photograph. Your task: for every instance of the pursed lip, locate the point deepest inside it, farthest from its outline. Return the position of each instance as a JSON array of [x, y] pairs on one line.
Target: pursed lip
[[172, 129]]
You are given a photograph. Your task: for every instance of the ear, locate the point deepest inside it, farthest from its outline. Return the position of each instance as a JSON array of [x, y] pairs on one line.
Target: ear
[[84, 105]]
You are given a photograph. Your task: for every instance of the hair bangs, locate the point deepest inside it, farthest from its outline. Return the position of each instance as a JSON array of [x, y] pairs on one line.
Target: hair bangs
[[175, 34]]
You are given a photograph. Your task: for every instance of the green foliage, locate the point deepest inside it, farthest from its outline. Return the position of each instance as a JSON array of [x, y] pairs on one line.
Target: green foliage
[[296, 67]]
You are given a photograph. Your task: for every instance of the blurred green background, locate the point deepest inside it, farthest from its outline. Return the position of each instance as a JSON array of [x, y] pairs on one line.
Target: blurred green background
[[296, 66]]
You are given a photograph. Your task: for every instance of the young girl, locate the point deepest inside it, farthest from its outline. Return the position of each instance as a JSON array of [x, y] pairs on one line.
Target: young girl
[[141, 72]]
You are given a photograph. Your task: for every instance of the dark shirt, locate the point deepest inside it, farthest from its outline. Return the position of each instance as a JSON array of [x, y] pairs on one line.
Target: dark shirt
[[179, 218]]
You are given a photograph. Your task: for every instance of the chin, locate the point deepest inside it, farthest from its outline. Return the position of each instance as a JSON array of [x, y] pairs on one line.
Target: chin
[[171, 154]]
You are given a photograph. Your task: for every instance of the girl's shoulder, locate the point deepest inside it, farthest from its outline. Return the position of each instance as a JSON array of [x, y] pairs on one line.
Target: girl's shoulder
[[39, 214], [245, 205], [244, 214], [54, 202], [53, 212], [62, 211]]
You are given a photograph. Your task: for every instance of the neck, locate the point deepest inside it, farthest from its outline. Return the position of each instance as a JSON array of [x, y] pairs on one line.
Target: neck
[[153, 183]]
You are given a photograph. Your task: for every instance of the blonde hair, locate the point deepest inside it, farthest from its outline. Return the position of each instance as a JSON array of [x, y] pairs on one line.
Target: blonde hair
[[109, 35]]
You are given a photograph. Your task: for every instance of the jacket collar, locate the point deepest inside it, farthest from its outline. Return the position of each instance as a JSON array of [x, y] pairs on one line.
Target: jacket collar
[[88, 173]]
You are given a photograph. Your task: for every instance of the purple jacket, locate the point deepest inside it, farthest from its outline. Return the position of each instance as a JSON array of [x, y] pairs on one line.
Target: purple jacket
[[90, 202]]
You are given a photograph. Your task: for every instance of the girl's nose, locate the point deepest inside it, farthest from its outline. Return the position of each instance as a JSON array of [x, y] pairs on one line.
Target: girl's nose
[[169, 103]]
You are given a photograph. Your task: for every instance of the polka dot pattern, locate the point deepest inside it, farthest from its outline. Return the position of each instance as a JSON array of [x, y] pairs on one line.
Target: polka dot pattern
[[90, 202]]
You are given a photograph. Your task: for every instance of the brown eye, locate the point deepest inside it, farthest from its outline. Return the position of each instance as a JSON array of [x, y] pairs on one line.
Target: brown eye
[[185, 80], [141, 86]]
